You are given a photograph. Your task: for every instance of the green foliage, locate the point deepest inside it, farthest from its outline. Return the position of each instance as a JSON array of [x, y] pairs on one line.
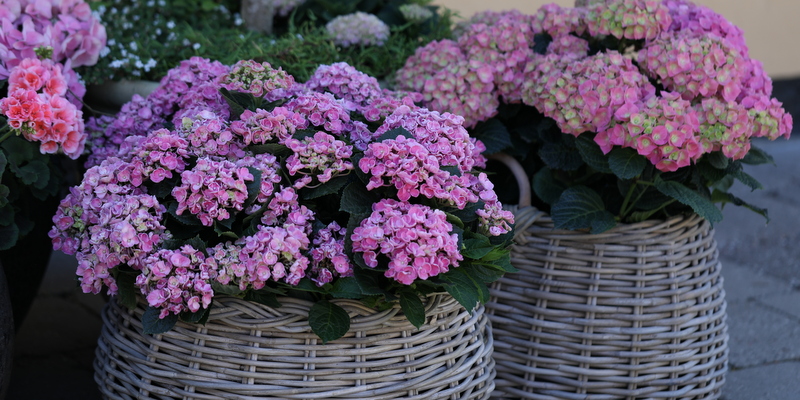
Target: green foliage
[[328, 320], [146, 39], [153, 325]]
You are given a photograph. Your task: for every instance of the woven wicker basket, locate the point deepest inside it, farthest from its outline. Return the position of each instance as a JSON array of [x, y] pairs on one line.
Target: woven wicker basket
[[249, 351], [637, 312]]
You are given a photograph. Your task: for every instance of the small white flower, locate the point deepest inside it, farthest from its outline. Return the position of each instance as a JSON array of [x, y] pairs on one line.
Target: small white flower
[[170, 25], [196, 46]]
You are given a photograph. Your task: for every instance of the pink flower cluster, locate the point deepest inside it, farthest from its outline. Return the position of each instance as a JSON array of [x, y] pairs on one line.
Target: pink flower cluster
[[176, 281], [322, 110], [211, 189], [585, 94], [417, 240], [345, 82], [208, 134], [67, 26], [263, 126], [321, 156], [37, 108], [630, 19], [258, 79], [493, 219], [559, 21], [358, 29], [180, 85], [155, 158], [269, 167], [328, 257]]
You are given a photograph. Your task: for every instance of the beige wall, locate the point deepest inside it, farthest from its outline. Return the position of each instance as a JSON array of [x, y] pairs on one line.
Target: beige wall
[[771, 27]]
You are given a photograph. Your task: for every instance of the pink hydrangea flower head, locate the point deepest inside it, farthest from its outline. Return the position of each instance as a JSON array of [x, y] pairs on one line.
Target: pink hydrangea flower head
[[585, 94], [321, 110], [328, 257], [177, 281], [209, 135], [269, 167], [629, 19], [559, 21], [358, 29], [568, 45], [489, 17], [465, 88], [415, 240], [261, 126], [212, 189], [179, 80], [322, 157], [426, 62], [697, 20], [505, 47], [696, 66], [258, 79], [157, 157], [493, 220], [383, 105]]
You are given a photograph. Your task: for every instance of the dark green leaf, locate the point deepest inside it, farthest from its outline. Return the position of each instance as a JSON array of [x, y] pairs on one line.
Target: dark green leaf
[[229, 290], [4, 193], [356, 199], [484, 274], [626, 163], [346, 288], [200, 316], [9, 234], [394, 133], [185, 217], [747, 179], [275, 149], [717, 159], [412, 307], [3, 163], [504, 263], [7, 214], [580, 207], [756, 156], [238, 102], [253, 187], [35, 173], [328, 321], [126, 289], [152, 325], [307, 285], [709, 172], [477, 247], [466, 289], [701, 205], [718, 196], [547, 187], [454, 220], [561, 155], [324, 189], [467, 214], [592, 154], [301, 134], [493, 134], [18, 150], [368, 283], [265, 297]]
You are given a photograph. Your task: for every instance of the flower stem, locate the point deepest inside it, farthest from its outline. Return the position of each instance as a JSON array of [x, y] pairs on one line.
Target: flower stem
[[7, 134], [623, 211]]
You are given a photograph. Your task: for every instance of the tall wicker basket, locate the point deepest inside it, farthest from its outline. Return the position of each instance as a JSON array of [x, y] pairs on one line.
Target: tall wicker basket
[[637, 312], [249, 351]]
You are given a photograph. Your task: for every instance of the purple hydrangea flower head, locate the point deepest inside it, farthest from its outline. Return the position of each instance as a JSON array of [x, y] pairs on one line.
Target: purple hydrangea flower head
[[345, 82], [416, 13], [489, 18], [426, 61], [559, 21], [209, 135], [358, 28], [155, 158], [263, 126], [179, 80], [328, 257], [321, 110]]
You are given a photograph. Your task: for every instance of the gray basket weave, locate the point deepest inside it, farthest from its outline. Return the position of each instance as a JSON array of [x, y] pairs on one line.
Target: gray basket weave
[[637, 312], [249, 351]]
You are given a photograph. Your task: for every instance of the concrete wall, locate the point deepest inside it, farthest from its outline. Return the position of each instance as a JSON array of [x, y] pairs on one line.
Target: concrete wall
[[771, 27]]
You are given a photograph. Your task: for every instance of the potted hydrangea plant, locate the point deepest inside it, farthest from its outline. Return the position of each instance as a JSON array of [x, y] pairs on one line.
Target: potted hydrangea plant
[[630, 119], [245, 207], [41, 127]]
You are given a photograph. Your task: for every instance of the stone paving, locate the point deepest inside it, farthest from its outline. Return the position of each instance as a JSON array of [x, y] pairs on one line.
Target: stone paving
[[761, 267]]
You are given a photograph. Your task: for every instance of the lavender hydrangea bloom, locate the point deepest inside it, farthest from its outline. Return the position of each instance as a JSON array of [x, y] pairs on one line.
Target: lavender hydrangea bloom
[[359, 28]]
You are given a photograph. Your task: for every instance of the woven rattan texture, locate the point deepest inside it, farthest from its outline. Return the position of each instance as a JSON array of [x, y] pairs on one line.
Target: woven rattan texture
[[249, 351], [637, 312]]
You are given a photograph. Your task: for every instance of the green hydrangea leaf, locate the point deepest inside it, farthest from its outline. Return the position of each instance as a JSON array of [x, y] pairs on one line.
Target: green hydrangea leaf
[[324, 189], [580, 207], [7, 214], [468, 290], [126, 288], [546, 187], [747, 179], [198, 317], [394, 133], [356, 199], [699, 204], [493, 134], [328, 320], [266, 297], [757, 156], [718, 196], [238, 102], [412, 307], [3, 162], [152, 325], [229, 290], [717, 159], [276, 149], [592, 154], [561, 155], [626, 163], [9, 234], [346, 288], [477, 247]]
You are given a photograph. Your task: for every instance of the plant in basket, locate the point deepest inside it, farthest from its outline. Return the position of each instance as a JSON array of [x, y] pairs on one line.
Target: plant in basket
[[619, 110], [41, 127], [239, 181]]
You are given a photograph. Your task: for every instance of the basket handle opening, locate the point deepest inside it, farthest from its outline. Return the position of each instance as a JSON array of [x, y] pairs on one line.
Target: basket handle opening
[[523, 183]]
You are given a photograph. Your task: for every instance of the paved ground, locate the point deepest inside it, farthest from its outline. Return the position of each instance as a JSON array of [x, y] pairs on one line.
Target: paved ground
[[761, 267]]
